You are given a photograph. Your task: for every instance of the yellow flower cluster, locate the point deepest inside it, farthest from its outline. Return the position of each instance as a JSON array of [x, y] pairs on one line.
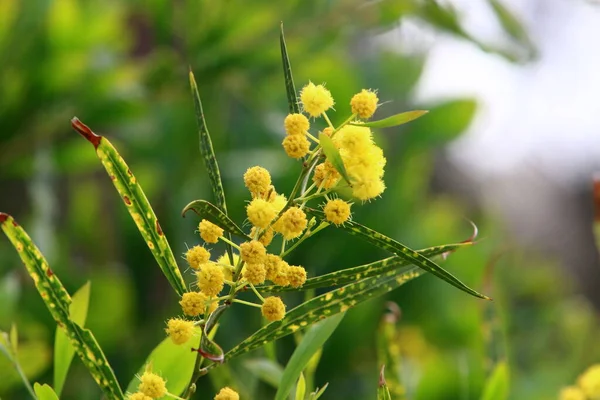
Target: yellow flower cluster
[[227, 394], [258, 181], [364, 103], [337, 211], [196, 256], [210, 278], [151, 386], [588, 386], [194, 304], [315, 99], [273, 308], [180, 330], [326, 176], [209, 232]]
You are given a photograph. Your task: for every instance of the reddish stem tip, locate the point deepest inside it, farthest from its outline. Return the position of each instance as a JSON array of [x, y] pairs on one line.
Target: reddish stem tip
[[596, 191], [3, 217], [86, 132], [382, 376]]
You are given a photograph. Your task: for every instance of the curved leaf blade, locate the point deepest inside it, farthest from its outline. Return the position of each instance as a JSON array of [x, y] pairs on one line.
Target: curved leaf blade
[[394, 120], [290, 88], [321, 307], [209, 211], [58, 301], [174, 362], [402, 251], [44, 392], [333, 155], [63, 350], [137, 204], [209, 349], [312, 341]]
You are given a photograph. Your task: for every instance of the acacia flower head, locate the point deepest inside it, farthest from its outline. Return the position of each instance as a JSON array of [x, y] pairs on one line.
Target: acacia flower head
[[292, 223], [327, 131], [296, 146], [260, 213], [197, 255], [152, 385], [364, 103], [180, 330], [326, 175], [227, 394], [210, 279], [337, 211], [368, 189], [572, 393], [253, 252], [194, 303], [355, 139], [315, 99], [138, 396], [209, 232], [273, 308], [255, 273], [296, 124], [265, 237], [589, 382], [296, 276], [272, 265], [280, 275], [257, 180]]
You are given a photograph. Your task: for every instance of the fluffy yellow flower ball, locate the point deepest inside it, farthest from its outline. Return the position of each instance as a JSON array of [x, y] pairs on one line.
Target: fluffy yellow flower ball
[[571, 393], [152, 385], [315, 99], [326, 175], [253, 252], [337, 211], [589, 382], [356, 139], [364, 103], [209, 232], [227, 394], [296, 276], [194, 303], [255, 273], [368, 189], [296, 124], [296, 146], [179, 330], [292, 223], [260, 213], [138, 396], [265, 237], [197, 255], [273, 308], [225, 265], [257, 180], [210, 279], [272, 265]]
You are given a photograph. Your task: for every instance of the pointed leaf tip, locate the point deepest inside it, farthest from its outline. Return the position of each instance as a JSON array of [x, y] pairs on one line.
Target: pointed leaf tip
[[382, 376], [86, 132]]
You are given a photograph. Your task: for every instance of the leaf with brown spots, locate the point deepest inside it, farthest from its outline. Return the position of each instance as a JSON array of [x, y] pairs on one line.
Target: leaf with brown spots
[[206, 210]]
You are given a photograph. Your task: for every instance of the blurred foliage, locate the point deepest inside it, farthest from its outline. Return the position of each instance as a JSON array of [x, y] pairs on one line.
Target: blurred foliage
[[122, 67]]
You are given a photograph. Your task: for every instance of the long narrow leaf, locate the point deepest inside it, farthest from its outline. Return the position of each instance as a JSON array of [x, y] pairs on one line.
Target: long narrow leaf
[[312, 341], [360, 272], [402, 251], [323, 306], [333, 155], [210, 212], [290, 88], [58, 302], [394, 120], [63, 351], [137, 204]]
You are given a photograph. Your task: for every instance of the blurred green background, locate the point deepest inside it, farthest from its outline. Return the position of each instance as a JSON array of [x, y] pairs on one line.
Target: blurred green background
[[121, 67]]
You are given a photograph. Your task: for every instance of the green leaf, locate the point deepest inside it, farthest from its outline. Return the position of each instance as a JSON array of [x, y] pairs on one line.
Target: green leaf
[[206, 210], [497, 385], [209, 349], [406, 253], [445, 122], [511, 24], [355, 274], [266, 370], [137, 204], [175, 363], [323, 306], [58, 302], [333, 155], [44, 392], [394, 120], [63, 350], [14, 339], [383, 393], [206, 149], [300, 388], [290, 88], [312, 341], [318, 393]]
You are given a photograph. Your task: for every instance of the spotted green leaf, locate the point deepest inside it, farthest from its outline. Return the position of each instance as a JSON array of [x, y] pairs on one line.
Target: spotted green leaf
[[333, 155], [58, 302], [355, 274], [206, 210], [394, 120], [313, 340], [175, 363], [63, 351], [411, 256], [44, 392], [137, 204], [321, 307], [290, 88]]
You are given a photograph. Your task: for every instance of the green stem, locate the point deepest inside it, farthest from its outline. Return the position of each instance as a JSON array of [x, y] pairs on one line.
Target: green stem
[[308, 234], [223, 238], [247, 303], [311, 137], [328, 121], [262, 299]]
